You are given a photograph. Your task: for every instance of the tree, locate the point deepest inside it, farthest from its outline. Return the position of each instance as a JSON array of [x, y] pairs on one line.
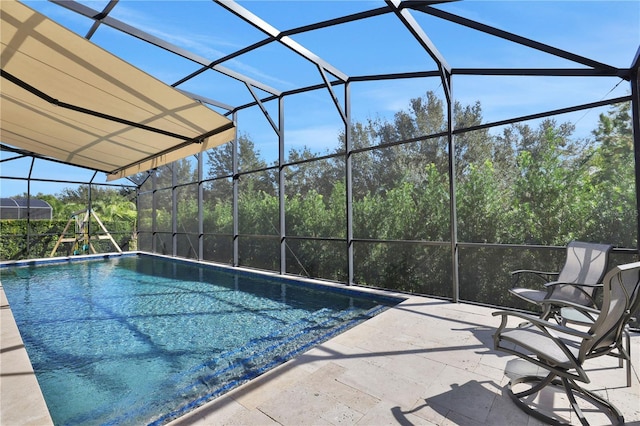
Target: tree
[[480, 204], [530, 184], [318, 176], [220, 159], [220, 165], [613, 178], [547, 189]]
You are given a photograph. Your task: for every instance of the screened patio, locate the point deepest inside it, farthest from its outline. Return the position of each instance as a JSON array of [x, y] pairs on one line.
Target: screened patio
[[263, 135], [308, 144]]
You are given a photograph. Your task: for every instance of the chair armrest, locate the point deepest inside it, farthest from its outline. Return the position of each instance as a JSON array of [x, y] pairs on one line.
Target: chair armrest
[[580, 287], [531, 271], [522, 271], [541, 324], [544, 276], [566, 304], [552, 283], [551, 331]]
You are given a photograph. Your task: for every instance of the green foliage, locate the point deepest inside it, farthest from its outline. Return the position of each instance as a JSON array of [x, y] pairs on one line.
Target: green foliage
[[114, 208], [16, 243], [258, 213], [531, 184], [527, 185], [480, 205], [612, 179]]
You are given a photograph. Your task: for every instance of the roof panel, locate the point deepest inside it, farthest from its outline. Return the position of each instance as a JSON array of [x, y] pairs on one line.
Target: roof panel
[[73, 101], [8, 202]]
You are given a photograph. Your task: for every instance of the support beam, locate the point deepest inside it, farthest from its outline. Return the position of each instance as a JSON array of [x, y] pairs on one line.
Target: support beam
[[99, 17], [163, 44], [33, 162], [200, 254], [174, 210], [334, 98], [348, 149], [635, 119], [272, 32], [412, 25], [545, 72], [512, 37], [154, 211], [453, 207], [234, 183], [282, 189], [276, 128]]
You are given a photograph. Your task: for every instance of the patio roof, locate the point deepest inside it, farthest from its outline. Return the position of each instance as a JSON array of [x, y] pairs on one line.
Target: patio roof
[[64, 97], [73, 99]]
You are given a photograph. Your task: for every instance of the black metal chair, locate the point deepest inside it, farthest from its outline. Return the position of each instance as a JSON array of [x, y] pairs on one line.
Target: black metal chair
[[577, 282], [562, 350]]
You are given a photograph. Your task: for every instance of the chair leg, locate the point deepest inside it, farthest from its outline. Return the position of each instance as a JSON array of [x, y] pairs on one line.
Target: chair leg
[[627, 338], [542, 383], [570, 388], [624, 354]]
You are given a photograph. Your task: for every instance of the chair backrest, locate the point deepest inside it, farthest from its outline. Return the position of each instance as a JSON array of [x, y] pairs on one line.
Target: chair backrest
[[621, 288], [586, 263]]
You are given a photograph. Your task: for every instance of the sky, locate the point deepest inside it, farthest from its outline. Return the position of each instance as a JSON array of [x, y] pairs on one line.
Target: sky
[[606, 31]]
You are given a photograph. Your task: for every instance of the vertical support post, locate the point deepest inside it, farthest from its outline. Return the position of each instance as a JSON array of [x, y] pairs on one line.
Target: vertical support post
[[445, 75], [234, 183], [33, 159], [87, 223], [200, 206], [453, 218], [281, 187], [174, 211], [635, 119], [90, 208], [154, 212], [348, 149], [136, 229]]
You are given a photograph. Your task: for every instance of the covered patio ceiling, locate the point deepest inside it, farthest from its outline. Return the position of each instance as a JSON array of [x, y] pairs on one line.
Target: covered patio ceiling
[[65, 98]]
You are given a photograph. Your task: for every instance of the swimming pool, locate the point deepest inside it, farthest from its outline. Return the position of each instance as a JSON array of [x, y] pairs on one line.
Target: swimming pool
[[142, 340]]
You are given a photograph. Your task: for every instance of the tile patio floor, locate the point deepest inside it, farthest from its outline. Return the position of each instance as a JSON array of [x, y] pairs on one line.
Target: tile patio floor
[[423, 362]]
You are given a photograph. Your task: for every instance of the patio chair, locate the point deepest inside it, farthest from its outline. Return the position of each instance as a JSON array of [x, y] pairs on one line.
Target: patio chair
[[562, 350], [577, 282], [585, 316]]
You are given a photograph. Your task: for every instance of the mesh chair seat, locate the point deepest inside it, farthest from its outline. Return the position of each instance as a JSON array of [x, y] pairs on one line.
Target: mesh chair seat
[[538, 344]]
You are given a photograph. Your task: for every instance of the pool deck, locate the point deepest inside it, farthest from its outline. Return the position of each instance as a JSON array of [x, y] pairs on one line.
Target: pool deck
[[21, 401], [422, 362]]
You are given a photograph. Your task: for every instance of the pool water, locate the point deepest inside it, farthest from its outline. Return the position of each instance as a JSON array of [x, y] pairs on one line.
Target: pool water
[[143, 340]]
